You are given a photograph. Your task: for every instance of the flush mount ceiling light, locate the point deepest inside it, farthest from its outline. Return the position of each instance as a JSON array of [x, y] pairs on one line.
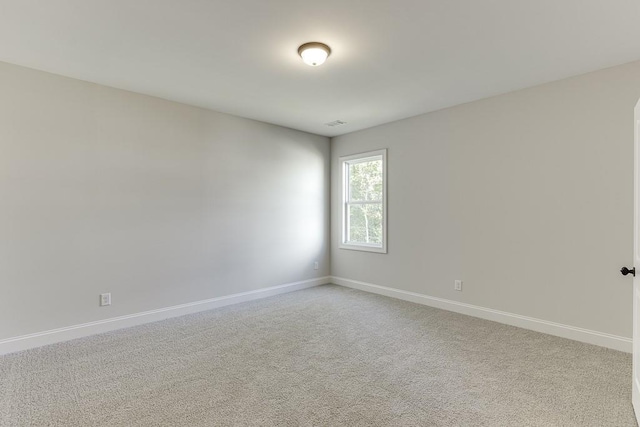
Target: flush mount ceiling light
[[314, 53]]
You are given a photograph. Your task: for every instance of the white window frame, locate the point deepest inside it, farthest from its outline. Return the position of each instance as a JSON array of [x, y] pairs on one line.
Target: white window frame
[[344, 229]]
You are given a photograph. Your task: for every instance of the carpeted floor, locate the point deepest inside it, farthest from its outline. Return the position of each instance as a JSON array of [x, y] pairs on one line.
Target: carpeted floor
[[326, 356]]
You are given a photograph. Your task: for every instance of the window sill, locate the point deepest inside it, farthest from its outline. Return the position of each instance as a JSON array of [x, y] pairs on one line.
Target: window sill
[[363, 248]]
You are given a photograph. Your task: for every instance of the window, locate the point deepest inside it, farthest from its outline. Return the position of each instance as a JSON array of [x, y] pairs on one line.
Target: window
[[364, 201]]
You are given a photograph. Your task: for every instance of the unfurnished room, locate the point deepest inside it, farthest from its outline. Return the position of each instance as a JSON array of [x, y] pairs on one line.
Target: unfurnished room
[[327, 213]]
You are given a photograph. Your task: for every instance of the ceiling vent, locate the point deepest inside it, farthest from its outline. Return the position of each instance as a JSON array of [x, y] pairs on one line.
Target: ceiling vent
[[336, 123]]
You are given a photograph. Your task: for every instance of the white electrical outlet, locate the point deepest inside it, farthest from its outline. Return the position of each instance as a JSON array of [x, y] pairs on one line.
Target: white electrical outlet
[[316, 265], [105, 299], [457, 285]]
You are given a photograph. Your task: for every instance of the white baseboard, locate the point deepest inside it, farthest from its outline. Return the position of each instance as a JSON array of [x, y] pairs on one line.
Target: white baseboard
[[565, 331], [38, 339]]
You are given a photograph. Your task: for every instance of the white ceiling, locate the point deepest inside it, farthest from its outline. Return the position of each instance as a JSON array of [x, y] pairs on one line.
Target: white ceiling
[[391, 58]]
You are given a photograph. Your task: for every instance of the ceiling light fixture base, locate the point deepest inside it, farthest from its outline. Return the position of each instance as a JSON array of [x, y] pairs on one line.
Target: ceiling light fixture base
[[314, 53]]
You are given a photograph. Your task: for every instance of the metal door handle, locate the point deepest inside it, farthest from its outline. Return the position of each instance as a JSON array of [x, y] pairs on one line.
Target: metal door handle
[[625, 271]]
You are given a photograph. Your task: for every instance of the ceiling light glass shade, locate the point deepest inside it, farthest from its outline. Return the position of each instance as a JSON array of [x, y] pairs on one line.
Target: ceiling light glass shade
[[314, 53]]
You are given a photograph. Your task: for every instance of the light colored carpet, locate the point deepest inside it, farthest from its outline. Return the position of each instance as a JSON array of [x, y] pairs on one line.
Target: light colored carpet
[[322, 356]]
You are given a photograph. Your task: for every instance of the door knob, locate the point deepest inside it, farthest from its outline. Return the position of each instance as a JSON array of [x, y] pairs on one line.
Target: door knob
[[625, 271]]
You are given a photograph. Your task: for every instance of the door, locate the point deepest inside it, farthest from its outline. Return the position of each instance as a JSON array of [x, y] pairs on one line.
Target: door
[[636, 264]]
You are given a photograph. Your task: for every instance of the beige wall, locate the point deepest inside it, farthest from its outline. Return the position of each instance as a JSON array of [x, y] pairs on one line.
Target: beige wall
[[526, 197], [103, 190]]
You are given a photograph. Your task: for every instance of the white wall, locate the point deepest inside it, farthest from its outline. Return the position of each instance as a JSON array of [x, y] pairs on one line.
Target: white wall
[[526, 197], [159, 203]]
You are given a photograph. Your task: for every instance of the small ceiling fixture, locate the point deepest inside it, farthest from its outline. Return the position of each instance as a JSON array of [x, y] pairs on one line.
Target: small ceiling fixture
[[314, 53]]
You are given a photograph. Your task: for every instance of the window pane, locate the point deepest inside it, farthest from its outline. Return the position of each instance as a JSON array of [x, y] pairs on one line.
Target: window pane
[[365, 223], [365, 180]]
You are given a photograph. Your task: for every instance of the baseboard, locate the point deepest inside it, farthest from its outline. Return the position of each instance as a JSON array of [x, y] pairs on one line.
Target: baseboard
[[52, 336], [565, 331]]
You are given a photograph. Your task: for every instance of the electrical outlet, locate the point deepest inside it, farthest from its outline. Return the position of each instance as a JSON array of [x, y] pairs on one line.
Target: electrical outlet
[[105, 299], [457, 285], [316, 265]]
